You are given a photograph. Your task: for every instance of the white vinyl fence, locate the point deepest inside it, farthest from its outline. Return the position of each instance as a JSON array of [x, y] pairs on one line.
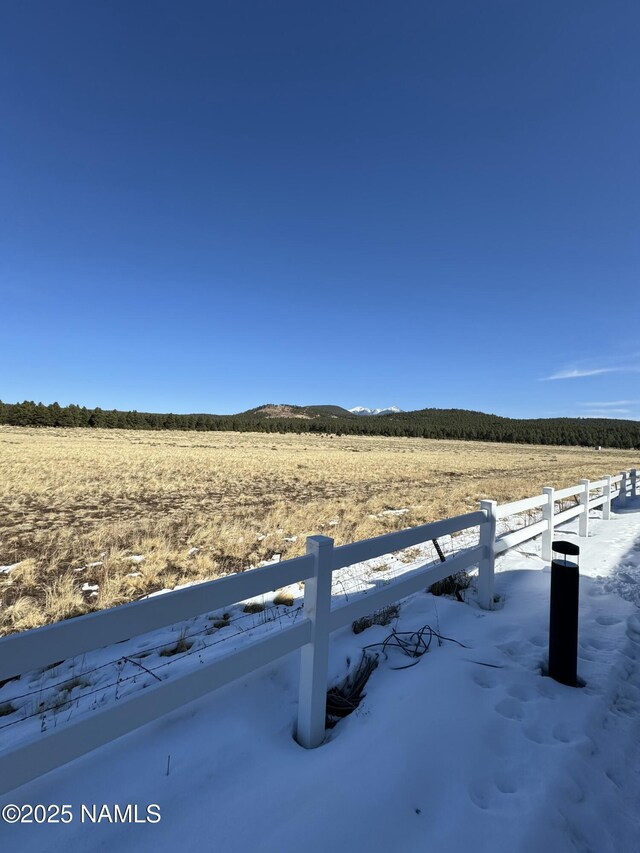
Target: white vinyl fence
[[41, 647]]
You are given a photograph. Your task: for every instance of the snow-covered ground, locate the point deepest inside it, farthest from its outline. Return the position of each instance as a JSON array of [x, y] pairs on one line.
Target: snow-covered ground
[[472, 749]]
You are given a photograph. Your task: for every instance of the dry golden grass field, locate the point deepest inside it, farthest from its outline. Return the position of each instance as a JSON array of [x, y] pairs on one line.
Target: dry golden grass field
[[196, 505]]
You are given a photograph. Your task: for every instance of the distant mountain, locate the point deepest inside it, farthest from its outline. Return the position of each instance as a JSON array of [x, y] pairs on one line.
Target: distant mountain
[[286, 410], [362, 410]]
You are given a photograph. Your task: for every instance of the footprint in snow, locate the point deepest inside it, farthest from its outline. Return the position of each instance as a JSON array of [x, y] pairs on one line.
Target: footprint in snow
[[588, 748], [572, 790], [593, 643], [506, 782], [518, 649], [630, 653], [612, 775], [633, 625], [488, 795], [478, 796], [548, 688], [510, 709], [608, 620], [626, 700], [523, 692], [564, 733], [585, 655], [488, 680], [536, 733]]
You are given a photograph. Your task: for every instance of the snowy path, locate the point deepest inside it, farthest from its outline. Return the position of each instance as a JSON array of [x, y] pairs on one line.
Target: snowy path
[[470, 750], [625, 580]]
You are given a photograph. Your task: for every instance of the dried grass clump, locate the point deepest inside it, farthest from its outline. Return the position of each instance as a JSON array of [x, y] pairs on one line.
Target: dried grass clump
[[409, 555], [345, 697], [453, 585], [63, 599], [284, 597], [181, 646], [23, 614], [380, 617]]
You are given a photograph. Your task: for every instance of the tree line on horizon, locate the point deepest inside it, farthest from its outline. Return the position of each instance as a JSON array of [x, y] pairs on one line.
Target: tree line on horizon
[[425, 423]]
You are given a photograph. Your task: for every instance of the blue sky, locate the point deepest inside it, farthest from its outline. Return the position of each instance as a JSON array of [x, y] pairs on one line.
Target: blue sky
[[210, 205]]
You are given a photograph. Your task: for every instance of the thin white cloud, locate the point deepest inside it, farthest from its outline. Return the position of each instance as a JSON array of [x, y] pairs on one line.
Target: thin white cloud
[[602, 405], [575, 373]]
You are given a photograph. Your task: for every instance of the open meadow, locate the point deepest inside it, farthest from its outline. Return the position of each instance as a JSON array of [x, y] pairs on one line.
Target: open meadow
[[94, 518]]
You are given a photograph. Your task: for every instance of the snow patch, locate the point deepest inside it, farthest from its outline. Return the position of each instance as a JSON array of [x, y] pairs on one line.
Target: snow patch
[[363, 410]]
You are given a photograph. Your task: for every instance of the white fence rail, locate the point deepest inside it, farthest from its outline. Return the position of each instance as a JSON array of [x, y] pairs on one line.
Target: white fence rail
[[21, 653]]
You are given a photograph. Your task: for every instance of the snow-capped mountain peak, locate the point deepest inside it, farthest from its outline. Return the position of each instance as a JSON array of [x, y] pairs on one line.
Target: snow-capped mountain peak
[[363, 410]]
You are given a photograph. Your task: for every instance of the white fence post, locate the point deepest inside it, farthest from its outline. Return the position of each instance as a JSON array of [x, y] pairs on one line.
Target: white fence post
[[606, 506], [547, 514], [583, 519], [634, 483], [622, 495], [488, 562], [314, 656]]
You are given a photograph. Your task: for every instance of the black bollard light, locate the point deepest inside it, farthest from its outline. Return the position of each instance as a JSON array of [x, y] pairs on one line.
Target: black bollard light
[[563, 614]]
